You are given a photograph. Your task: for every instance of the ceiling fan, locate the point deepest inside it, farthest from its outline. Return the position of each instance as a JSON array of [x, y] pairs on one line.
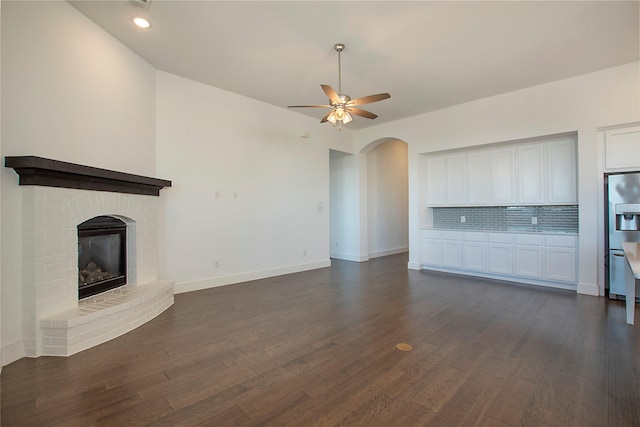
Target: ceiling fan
[[342, 106]]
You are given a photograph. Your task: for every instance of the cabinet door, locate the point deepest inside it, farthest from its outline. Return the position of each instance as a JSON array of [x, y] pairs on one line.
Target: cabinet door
[[622, 148], [531, 174], [560, 264], [500, 258], [457, 179], [474, 257], [561, 172], [528, 261], [431, 252], [503, 176], [436, 181], [479, 178], [451, 253]]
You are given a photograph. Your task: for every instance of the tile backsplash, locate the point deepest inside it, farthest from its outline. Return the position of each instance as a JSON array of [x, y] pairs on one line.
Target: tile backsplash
[[509, 218]]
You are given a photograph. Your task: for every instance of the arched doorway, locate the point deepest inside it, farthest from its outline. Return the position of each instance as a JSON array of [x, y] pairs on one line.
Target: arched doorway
[[369, 201], [387, 190]]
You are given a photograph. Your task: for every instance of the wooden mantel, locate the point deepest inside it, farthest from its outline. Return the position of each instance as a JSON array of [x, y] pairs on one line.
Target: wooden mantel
[[34, 170]]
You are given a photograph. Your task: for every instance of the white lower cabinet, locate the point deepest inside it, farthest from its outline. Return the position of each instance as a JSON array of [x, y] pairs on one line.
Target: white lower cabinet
[[431, 248], [560, 264], [431, 253], [451, 254], [474, 255], [528, 261], [500, 258], [532, 257], [441, 248], [560, 258], [452, 249], [528, 255]]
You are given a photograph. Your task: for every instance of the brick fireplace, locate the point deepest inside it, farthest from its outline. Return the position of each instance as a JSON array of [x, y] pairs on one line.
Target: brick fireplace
[[56, 198]]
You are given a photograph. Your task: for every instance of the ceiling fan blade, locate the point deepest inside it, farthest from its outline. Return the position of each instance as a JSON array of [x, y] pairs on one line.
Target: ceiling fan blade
[[331, 93], [324, 119], [310, 106], [369, 99], [362, 113]]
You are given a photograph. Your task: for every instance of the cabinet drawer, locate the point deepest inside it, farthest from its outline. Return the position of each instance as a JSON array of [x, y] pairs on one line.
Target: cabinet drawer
[[500, 238], [471, 236], [561, 241], [452, 235], [431, 234], [528, 239]]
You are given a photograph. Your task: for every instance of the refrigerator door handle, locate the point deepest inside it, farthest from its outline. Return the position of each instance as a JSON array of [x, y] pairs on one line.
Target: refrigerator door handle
[[618, 255]]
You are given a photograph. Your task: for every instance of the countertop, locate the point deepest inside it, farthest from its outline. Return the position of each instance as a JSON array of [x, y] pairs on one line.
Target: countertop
[[511, 231], [632, 253]]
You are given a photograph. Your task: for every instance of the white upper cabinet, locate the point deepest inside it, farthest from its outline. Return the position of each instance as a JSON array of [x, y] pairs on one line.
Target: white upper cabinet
[[447, 180], [531, 174], [622, 148], [561, 172], [457, 179], [503, 176], [436, 180], [479, 178]]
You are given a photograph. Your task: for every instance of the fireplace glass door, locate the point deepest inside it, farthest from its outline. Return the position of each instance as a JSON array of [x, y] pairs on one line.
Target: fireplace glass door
[[102, 254]]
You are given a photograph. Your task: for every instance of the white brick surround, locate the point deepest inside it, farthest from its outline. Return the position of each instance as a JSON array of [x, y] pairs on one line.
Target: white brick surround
[[54, 321]]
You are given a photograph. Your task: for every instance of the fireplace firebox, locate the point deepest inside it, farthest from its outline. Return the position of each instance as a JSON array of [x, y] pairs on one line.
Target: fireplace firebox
[[102, 255]]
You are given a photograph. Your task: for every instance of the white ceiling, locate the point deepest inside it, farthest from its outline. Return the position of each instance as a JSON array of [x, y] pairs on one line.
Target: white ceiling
[[428, 55]]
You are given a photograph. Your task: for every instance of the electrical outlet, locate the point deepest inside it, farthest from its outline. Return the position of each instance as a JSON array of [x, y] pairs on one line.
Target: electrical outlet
[[534, 220], [463, 219]]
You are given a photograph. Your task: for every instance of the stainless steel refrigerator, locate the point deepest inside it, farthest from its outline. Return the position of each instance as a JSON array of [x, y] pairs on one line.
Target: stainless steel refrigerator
[[623, 225]]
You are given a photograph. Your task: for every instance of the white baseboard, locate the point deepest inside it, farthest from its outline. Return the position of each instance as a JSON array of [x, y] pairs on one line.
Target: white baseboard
[[588, 289], [213, 282], [349, 257], [388, 252], [12, 352], [414, 266]]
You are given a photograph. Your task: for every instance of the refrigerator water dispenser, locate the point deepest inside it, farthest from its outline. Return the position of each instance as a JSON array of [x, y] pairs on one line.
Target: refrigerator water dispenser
[[628, 217]]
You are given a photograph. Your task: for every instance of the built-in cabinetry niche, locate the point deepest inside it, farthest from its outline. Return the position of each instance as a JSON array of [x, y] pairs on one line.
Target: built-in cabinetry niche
[[541, 172]]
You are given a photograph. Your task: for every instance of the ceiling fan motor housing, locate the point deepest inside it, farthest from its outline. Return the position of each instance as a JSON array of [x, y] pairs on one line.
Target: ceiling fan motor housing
[[343, 99]]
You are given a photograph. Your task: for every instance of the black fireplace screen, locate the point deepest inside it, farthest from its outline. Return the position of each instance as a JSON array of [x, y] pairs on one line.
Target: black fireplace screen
[[102, 255]]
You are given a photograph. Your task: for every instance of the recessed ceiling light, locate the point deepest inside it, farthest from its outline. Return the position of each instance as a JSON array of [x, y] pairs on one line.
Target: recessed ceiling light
[[141, 22]]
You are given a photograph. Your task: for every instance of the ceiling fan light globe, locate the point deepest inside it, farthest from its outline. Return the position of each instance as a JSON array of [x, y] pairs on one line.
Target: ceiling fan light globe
[[332, 118], [347, 117], [339, 113]]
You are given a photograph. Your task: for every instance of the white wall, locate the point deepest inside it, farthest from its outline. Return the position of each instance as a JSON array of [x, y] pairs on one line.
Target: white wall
[[70, 92], [583, 104], [344, 206], [0, 195], [388, 199], [250, 196]]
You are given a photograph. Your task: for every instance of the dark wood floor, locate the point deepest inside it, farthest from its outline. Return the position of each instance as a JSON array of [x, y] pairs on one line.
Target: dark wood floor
[[319, 349]]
